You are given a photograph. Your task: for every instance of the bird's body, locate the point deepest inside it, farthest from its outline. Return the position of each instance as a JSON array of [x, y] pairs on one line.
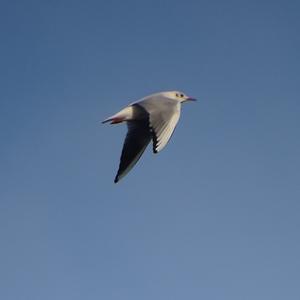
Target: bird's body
[[152, 118]]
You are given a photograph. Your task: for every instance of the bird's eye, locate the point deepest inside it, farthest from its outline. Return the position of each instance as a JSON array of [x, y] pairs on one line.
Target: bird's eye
[[181, 95]]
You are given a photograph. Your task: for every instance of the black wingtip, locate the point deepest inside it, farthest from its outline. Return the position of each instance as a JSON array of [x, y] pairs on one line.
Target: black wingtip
[[117, 178], [154, 140]]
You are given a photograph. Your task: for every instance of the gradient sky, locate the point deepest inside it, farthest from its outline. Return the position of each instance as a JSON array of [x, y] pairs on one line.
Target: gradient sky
[[215, 215]]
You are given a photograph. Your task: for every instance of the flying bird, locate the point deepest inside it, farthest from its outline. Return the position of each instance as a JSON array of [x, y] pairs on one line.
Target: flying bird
[[153, 118]]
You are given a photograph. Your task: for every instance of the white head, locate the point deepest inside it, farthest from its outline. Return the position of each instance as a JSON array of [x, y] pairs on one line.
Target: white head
[[178, 96]]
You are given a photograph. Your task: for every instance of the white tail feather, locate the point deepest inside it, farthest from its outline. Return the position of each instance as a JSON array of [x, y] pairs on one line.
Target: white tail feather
[[123, 115]]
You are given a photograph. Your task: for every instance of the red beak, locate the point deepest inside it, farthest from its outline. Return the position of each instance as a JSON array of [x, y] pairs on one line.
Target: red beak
[[191, 99]]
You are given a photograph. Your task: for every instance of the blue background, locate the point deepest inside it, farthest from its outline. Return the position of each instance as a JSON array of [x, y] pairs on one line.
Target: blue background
[[215, 215]]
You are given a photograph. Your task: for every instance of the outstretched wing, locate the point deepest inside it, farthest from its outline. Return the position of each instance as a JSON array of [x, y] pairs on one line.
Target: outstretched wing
[[163, 125], [136, 141], [164, 114]]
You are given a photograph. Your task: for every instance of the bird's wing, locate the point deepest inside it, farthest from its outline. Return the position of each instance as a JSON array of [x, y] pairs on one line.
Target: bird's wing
[[163, 123], [136, 141]]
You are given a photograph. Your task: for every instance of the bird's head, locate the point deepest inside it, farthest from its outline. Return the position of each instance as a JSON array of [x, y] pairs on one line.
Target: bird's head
[[178, 96]]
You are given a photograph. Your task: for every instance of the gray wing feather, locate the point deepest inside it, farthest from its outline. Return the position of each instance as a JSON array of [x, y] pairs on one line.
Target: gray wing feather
[[164, 114]]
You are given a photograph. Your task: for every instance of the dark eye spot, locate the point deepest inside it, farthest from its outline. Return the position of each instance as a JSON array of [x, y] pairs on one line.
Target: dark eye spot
[[181, 95]]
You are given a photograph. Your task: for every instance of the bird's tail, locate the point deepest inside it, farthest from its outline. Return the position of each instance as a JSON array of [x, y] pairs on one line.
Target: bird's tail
[[113, 120], [107, 120], [124, 115]]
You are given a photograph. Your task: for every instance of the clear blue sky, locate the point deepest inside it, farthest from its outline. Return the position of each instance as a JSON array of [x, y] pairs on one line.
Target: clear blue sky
[[215, 215]]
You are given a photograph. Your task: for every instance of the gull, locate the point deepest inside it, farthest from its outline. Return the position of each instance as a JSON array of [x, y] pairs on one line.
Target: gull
[[153, 117]]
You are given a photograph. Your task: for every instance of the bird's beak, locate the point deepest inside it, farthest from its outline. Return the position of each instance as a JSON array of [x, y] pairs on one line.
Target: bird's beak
[[191, 99]]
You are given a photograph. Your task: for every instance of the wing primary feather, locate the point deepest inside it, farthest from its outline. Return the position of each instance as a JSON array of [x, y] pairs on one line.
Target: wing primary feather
[[136, 141], [162, 133]]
